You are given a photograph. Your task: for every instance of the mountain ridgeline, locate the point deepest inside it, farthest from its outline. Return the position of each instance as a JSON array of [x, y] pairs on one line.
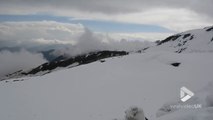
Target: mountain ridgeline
[[79, 60], [198, 40], [62, 62]]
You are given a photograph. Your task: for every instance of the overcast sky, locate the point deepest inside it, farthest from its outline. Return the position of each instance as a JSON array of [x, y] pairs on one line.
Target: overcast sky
[[176, 15], [130, 19]]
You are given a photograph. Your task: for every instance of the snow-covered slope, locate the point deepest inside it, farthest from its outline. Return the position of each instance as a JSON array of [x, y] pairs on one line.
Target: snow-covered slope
[[199, 40], [199, 107], [104, 90]]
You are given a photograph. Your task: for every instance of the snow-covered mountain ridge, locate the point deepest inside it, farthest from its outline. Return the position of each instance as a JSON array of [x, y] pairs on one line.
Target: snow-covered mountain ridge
[[104, 90], [199, 40], [62, 62]]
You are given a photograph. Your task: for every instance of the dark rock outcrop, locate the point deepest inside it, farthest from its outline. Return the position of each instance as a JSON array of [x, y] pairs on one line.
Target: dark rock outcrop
[[61, 62], [176, 64], [209, 29], [170, 38], [186, 35]]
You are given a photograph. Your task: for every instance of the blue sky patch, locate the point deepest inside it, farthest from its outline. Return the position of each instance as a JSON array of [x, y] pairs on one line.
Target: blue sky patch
[[95, 25]]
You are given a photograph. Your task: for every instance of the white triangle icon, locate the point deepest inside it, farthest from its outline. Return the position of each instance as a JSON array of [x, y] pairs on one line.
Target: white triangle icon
[[185, 94]]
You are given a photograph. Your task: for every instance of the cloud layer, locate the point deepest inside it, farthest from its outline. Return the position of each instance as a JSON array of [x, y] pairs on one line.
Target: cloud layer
[[91, 42], [14, 61], [106, 6], [52, 35], [34, 34], [177, 13], [68, 39]]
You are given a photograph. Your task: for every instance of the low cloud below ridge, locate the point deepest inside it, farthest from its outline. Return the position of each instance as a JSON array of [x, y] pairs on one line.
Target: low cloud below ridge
[[14, 61], [65, 39], [91, 42]]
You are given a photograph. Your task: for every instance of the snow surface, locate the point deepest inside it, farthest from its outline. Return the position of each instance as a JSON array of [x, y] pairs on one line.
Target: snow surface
[[103, 91], [204, 97], [199, 40]]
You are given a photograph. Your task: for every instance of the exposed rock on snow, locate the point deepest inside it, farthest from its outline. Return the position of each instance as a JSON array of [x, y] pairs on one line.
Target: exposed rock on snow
[[68, 62], [190, 41], [176, 64]]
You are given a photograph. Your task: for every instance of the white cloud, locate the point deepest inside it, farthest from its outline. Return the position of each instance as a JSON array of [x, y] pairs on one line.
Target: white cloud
[[32, 34], [175, 19], [14, 61], [176, 15], [48, 33], [91, 42], [78, 39], [102, 6], [142, 36]]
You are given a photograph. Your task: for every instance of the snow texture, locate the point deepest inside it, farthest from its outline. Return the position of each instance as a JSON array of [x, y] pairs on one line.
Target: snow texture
[[104, 90]]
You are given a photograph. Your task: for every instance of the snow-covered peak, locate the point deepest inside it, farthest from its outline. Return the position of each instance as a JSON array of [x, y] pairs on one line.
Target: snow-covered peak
[[198, 40]]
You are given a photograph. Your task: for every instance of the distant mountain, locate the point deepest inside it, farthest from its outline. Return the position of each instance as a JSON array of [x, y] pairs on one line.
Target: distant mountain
[[199, 40], [64, 62], [48, 55]]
